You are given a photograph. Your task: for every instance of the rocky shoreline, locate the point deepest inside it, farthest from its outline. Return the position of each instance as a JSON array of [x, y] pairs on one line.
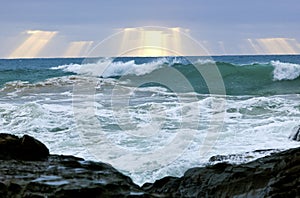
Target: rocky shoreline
[[28, 170]]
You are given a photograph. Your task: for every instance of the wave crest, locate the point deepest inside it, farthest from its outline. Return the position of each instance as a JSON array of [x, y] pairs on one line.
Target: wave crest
[[108, 67], [285, 71]]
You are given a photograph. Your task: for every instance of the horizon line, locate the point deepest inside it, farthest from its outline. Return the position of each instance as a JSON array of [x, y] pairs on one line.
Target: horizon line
[[137, 56]]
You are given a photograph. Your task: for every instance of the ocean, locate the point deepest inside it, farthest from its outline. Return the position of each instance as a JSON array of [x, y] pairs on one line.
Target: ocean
[[153, 116]]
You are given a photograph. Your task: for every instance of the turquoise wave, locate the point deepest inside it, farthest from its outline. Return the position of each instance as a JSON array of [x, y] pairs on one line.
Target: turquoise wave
[[240, 75]]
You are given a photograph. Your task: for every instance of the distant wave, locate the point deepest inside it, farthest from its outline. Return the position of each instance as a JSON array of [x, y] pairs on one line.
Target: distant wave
[[204, 61], [109, 68], [93, 69], [257, 78]]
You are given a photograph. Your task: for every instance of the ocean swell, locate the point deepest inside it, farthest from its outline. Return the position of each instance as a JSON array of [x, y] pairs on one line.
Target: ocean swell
[[109, 67], [255, 78]]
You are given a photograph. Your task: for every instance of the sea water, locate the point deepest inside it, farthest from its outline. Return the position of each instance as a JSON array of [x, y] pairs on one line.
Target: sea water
[[152, 116]]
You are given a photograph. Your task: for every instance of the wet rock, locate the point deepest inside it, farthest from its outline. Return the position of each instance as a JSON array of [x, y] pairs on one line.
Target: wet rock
[[276, 175], [25, 148], [64, 176], [27, 170], [296, 135], [241, 157]]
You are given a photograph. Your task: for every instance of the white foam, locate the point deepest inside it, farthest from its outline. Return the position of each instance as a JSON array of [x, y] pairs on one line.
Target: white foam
[[51, 123], [285, 71]]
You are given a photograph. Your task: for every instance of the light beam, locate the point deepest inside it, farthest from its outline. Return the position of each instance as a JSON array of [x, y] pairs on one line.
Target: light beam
[[78, 48], [34, 44]]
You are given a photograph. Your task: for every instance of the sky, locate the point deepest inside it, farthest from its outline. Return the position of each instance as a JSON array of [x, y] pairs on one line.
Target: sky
[[61, 28]]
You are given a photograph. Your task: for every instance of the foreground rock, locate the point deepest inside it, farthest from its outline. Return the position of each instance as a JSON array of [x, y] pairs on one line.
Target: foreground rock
[[277, 175], [27, 170], [63, 176], [56, 176]]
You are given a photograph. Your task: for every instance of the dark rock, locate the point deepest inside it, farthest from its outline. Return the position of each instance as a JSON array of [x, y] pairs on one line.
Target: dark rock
[[32, 149], [277, 175], [9, 144], [25, 148], [163, 186], [64, 176], [296, 135], [27, 170], [241, 157]]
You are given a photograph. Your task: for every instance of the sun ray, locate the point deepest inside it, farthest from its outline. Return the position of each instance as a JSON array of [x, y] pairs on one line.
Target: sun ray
[[151, 41], [34, 44], [278, 46], [78, 48]]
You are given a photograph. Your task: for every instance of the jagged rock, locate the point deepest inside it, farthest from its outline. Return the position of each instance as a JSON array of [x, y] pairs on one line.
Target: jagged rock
[[27, 170], [296, 135], [25, 148], [277, 175], [241, 157], [64, 176]]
